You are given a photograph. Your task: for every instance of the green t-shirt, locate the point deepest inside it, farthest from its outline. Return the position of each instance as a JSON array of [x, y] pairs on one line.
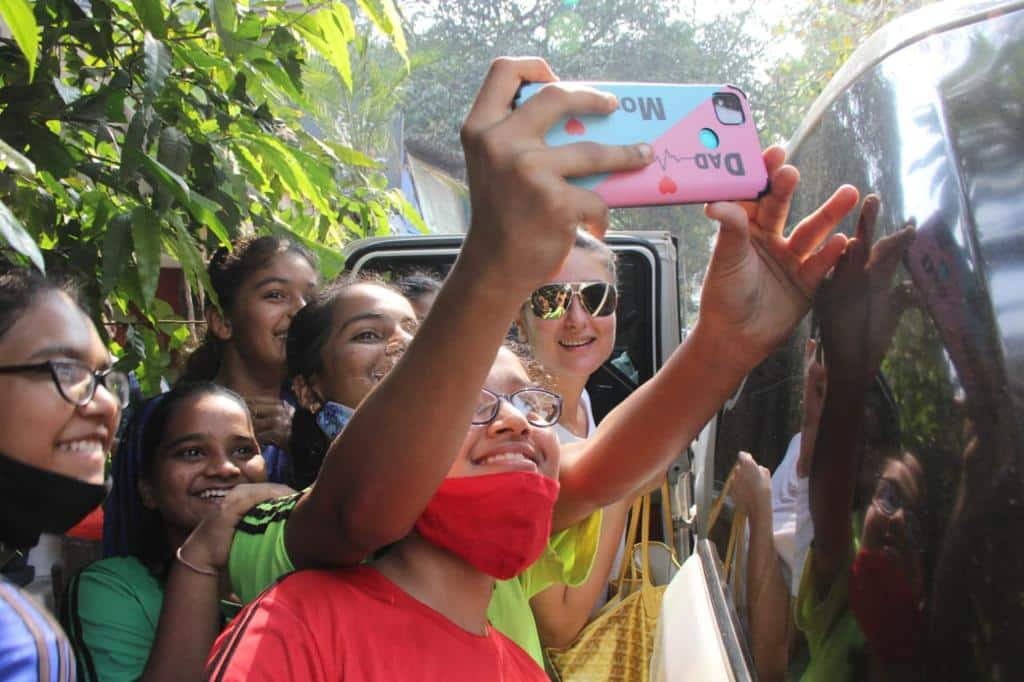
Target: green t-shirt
[[258, 557], [834, 639], [112, 611]]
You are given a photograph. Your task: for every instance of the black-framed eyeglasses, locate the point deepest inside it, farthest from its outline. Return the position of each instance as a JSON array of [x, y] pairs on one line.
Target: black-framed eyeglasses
[[76, 381], [540, 407], [552, 301], [889, 499]]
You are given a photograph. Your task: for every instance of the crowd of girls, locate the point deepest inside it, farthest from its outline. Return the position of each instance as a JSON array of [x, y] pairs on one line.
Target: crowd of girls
[[429, 498]]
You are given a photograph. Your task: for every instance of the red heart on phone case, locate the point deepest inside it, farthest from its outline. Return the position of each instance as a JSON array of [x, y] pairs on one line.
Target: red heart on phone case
[[667, 186], [574, 126]]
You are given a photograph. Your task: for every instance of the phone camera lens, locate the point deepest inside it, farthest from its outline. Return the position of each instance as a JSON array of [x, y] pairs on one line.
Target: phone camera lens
[[728, 108]]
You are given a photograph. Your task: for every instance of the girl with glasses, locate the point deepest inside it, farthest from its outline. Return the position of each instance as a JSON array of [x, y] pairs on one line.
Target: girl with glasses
[[420, 611], [152, 612], [339, 348], [60, 408]]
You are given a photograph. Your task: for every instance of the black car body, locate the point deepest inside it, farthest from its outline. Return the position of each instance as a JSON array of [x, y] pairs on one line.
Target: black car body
[[929, 114]]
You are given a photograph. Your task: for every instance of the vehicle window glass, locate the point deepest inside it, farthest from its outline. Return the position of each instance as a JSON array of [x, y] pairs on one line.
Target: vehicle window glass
[[931, 579]]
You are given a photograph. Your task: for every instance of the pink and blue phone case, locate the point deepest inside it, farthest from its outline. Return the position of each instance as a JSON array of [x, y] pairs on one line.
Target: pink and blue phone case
[[697, 156]]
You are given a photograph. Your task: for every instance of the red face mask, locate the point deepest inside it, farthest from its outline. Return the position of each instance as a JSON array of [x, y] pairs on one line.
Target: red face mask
[[499, 523], [887, 606]]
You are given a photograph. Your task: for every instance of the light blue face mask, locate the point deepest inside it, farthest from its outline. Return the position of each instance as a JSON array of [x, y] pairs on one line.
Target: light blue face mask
[[332, 418]]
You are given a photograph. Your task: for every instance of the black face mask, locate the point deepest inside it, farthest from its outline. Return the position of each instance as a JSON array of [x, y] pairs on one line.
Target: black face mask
[[35, 501]]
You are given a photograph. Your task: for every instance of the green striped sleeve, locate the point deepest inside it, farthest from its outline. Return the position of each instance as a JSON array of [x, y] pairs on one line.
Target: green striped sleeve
[[258, 555]]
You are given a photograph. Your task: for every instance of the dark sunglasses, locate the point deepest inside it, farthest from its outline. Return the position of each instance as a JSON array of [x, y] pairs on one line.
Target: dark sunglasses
[[552, 301]]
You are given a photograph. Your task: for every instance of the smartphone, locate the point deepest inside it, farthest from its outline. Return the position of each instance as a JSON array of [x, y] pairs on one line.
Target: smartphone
[[705, 144]]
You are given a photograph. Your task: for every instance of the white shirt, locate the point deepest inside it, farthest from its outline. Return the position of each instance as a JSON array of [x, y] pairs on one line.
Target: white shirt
[[791, 515]]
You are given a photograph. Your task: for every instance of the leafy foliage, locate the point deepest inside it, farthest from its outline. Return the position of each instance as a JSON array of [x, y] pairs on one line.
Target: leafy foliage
[[828, 31], [144, 129]]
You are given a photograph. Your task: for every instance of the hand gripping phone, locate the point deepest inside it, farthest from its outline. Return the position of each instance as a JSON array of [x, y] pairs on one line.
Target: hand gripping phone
[[705, 144]]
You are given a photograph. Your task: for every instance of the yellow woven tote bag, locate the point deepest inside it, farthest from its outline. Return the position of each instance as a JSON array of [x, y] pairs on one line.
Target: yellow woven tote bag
[[617, 645]]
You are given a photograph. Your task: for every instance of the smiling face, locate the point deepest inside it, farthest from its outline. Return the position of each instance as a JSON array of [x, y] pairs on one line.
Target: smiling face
[[256, 327], [207, 448], [576, 344], [892, 519], [509, 443], [37, 426], [372, 326]]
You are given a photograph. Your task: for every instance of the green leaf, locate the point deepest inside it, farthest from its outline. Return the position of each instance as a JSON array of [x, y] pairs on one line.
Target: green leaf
[[134, 147], [145, 227], [202, 209], [324, 35], [158, 65], [349, 156], [116, 250], [331, 260], [174, 152], [152, 16], [283, 161], [187, 252], [12, 159], [19, 17], [385, 15], [224, 16], [279, 77], [409, 211], [18, 238]]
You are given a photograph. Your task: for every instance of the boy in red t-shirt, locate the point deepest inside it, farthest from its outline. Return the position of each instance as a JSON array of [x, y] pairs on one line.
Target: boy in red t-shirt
[[419, 612]]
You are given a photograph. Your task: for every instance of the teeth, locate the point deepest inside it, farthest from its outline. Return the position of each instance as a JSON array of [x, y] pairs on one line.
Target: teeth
[[213, 493], [575, 344], [506, 457], [82, 446]]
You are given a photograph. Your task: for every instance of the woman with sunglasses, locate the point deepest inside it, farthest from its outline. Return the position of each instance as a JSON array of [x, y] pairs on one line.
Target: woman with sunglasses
[[570, 326], [60, 405], [152, 612]]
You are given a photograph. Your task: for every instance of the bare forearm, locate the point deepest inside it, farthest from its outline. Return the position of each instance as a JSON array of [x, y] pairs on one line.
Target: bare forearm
[[562, 611], [767, 599], [188, 626], [382, 470], [833, 475], [647, 431]]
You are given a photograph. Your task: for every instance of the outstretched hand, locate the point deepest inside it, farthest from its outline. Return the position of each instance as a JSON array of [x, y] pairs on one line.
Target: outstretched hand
[[857, 306], [759, 283], [525, 214]]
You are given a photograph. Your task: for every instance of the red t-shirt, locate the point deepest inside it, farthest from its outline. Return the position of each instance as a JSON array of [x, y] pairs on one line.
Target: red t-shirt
[[356, 625]]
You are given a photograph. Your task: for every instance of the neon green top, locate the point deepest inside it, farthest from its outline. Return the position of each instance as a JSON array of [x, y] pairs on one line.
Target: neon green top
[[259, 557], [833, 637]]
